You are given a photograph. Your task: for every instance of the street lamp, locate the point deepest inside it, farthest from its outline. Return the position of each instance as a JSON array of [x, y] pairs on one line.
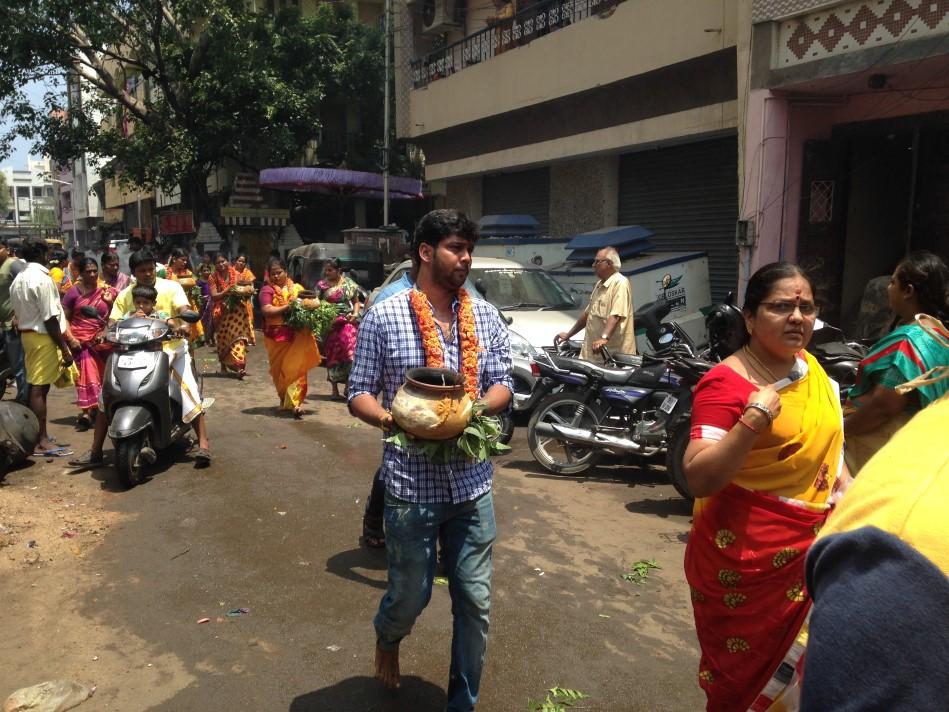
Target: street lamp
[[72, 206]]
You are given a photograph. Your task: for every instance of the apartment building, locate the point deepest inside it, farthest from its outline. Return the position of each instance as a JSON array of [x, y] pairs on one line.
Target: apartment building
[[582, 113], [845, 139], [32, 194]]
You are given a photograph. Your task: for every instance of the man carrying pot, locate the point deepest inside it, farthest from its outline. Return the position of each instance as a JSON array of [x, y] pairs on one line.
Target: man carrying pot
[[422, 499]]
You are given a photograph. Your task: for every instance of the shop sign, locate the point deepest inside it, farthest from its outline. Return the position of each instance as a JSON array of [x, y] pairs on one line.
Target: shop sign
[[177, 223]]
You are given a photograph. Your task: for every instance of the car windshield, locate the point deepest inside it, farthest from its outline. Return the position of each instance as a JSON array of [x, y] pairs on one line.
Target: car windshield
[[512, 288]]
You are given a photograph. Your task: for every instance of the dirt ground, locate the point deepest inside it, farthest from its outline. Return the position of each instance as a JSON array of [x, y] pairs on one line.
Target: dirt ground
[[107, 587]]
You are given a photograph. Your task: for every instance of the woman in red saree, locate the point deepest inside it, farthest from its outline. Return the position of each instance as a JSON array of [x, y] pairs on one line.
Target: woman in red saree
[[231, 328], [90, 352], [292, 353], [764, 462]]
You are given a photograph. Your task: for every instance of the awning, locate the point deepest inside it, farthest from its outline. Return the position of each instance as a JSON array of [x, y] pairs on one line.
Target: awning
[[340, 182]]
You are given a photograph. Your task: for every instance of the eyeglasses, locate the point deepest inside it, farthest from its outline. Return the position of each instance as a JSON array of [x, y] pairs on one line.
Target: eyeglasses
[[786, 308], [596, 262]]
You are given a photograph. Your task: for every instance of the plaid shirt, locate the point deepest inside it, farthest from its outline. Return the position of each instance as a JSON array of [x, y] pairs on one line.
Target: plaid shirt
[[389, 344]]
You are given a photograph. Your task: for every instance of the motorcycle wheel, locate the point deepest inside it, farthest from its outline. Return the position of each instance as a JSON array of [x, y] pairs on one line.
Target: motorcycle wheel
[[507, 428], [675, 453], [128, 461], [557, 456]]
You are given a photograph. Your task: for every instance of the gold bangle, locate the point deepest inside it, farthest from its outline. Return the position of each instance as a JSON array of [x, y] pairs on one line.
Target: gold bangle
[[386, 421]]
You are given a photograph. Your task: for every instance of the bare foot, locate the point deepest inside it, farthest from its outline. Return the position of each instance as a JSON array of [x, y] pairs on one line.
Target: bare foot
[[44, 445], [387, 667], [298, 413]]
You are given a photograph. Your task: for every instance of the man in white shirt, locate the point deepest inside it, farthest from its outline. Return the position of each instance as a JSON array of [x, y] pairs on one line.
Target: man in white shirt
[[44, 333]]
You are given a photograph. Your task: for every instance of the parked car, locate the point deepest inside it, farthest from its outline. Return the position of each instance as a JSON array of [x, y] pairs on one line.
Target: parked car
[[535, 307]]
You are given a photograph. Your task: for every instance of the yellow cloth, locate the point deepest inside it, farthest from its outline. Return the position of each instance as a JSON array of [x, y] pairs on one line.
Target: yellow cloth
[[44, 361], [248, 276], [171, 299], [197, 329], [860, 448], [289, 363], [904, 488], [810, 418], [610, 297]]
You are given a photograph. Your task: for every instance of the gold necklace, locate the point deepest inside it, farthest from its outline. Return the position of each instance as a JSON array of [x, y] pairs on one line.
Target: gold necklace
[[757, 365]]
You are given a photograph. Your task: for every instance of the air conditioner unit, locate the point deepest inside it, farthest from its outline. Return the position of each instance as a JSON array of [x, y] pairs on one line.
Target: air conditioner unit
[[439, 16]]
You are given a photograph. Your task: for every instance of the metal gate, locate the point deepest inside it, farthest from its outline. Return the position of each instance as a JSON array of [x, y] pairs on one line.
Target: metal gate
[[688, 195], [521, 193]]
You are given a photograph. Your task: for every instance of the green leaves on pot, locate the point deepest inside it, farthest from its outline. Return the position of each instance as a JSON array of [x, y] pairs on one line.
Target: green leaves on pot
[[477, 442], [317, 320]]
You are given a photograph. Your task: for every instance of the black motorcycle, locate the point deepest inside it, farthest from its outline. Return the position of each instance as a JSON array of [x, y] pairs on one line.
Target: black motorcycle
[[587, 410]]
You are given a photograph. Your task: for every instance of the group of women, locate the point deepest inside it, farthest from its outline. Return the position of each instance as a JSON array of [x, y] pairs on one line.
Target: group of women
[[766, 462], [293, 352], [224, 297]]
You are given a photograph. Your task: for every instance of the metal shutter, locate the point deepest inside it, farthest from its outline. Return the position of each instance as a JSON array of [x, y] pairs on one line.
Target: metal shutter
[[521, 193], [688, 195]]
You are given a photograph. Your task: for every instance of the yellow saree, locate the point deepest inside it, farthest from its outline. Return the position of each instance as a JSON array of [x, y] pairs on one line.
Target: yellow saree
[[292, 353]]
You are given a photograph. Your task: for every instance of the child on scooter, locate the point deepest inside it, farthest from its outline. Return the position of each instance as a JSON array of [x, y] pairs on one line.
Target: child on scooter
[[144, 299]]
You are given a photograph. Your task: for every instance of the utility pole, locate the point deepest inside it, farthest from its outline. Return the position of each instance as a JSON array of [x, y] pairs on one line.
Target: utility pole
[[386, 141]]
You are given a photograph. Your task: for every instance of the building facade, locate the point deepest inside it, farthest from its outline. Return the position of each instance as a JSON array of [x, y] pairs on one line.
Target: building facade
[[845, 140], [583, 113], [32, 195]]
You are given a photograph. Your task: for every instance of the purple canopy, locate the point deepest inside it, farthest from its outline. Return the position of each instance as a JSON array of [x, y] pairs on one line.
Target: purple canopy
[[337, 181]]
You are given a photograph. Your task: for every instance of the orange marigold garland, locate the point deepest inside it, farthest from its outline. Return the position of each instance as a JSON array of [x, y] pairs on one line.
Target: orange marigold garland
[[481, 438], [434, 354]]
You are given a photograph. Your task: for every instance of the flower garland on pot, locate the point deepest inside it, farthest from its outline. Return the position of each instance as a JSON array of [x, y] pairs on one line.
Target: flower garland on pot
[[480, 438]]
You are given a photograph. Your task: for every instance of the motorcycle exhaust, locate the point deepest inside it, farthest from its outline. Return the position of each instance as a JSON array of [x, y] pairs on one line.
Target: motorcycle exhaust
[[578, 436]]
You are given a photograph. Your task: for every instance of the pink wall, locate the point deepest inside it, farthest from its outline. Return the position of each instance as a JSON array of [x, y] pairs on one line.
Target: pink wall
[[776, 128]]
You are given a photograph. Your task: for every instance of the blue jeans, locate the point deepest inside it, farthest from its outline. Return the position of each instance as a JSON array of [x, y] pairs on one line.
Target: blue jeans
[[467, 532], [14, 347]]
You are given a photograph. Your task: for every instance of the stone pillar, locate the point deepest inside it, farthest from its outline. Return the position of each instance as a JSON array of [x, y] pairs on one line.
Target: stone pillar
[[464, 194], [584, 195]]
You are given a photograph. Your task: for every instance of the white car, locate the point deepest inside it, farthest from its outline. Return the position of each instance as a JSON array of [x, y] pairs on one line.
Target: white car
[[534, 305]]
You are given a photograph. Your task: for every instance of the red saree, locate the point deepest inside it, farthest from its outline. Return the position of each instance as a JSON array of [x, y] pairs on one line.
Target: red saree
[[745, 558]]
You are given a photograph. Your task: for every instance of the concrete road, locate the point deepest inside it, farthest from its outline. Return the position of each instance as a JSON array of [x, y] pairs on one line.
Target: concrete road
[[113, 588]]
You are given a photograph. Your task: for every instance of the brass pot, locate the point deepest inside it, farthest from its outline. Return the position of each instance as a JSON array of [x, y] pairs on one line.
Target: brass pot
[[432, 404], [310, 303]]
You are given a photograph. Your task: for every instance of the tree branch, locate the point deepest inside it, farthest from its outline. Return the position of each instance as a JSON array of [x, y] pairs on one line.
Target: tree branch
[[160, 73], [92, 71], [171, 20]]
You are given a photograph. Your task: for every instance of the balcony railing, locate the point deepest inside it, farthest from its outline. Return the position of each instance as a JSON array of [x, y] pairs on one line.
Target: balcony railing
[[538, 20]]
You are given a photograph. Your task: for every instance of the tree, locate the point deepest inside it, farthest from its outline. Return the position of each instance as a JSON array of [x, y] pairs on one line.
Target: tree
[[182, 86], [5, 199]]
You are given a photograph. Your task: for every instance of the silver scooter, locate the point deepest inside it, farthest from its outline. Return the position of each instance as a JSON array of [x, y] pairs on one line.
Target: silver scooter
[[143, 417]]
